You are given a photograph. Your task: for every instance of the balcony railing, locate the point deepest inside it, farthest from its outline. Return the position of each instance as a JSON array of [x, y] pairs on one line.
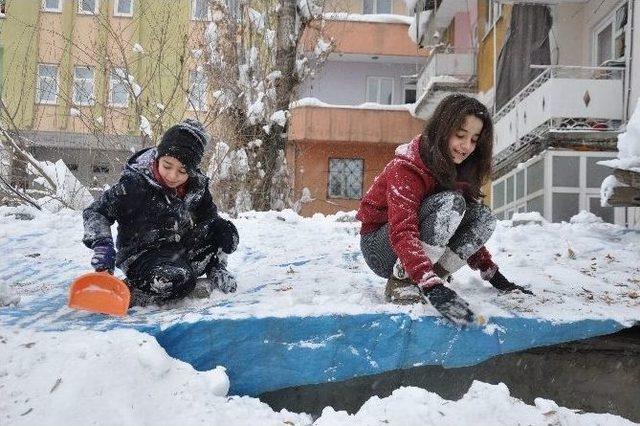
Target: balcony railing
[[458, 66], [561, 98]]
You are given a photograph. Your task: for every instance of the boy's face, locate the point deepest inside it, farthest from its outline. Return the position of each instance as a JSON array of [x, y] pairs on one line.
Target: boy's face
[[172, 171]]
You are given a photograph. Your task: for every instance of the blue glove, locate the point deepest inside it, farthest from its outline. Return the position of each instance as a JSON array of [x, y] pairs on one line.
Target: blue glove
[[104, 257]]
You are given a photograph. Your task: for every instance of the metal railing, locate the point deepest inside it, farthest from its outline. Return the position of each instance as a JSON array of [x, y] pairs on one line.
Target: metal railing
[[559, 71]]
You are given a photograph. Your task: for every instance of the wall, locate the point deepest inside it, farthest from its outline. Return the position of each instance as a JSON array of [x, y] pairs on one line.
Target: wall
[[486, 46], [345, 83], [311, 171]]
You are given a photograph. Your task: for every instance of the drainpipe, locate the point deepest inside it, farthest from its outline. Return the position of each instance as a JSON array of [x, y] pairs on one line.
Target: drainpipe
[[495, 54], [627, 101]]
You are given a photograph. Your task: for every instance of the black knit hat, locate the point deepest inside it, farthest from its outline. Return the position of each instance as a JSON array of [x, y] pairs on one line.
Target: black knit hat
[[185, 141]]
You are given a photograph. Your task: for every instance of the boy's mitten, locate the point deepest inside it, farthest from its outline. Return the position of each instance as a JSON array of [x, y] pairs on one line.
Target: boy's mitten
[[446, 301], [228, 235], [501, 283], [104, 257]]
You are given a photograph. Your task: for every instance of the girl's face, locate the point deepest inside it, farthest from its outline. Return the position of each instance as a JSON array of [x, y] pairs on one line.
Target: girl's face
[[172, 171], [462, 142]]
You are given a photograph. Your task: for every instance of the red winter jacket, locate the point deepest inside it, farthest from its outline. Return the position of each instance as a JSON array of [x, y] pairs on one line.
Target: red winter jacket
[[395, 197]]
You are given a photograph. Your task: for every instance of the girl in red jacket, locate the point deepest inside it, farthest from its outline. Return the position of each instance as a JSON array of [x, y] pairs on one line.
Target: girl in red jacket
[[422, 218]]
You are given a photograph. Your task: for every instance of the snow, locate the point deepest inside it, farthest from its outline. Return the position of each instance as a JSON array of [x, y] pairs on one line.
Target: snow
[[8, 295], [67, 191], [607, 188], [74, 112], [279, 117], [145, 127], [384, 18], [322, 47], [257, 20], [125, 377], [482, 404], [578, 271], [416, 34], [581, 270], [315, 102], [137, 48], [585, 217]]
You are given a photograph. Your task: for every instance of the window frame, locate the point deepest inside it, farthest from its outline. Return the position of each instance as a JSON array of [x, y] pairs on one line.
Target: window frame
[[44, 8], [111, 85], [329, 174], [92, 98], [57, 85], [409, 86], [96, 9], [193, 10], [116, 4], [609, 22], [191, 105], [380, 78], [375, 7]]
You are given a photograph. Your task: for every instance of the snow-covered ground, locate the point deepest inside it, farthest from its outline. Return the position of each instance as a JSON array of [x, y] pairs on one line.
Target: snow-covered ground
[[286, 266]]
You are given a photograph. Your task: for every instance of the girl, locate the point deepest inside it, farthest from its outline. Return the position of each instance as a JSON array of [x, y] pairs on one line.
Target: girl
[[422, 219], [169, 231]]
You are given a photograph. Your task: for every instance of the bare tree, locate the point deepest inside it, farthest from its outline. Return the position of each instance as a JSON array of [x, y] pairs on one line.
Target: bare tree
[[255, 63]]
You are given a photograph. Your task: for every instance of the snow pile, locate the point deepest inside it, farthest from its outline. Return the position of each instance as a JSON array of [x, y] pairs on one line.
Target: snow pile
[[585, 217], [61, 186], [483, 404], [125, 377], [383, 18], [628, 156], [418, 26], [117, 377], [315, 102]]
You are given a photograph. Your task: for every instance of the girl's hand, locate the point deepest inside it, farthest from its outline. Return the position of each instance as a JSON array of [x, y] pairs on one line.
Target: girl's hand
[[446, 301], [501, 283]]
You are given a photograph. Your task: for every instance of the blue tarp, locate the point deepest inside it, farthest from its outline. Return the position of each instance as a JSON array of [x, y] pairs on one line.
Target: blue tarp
[[263, 354]]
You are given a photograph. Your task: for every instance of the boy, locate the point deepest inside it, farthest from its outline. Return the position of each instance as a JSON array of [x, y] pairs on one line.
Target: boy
[[169, 231]]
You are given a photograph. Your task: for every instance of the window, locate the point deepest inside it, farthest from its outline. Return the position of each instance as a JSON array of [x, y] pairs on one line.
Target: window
[[498, 195], [200, 10], [47, 90], [197, 98], [605, 213], [494, 11], [536, 205], [376, 6], [410, 93], [520, 185], [83, 83], [535, 177], [566, 171], [595, 172], [380, 90], [52, 5], [610, 38], [345, 178], [510, 188], [118, 93], [564, 206], [88, 7], [123, 8]]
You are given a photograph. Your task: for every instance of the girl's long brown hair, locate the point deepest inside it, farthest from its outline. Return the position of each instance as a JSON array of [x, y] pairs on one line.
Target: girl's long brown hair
[[448, 118]]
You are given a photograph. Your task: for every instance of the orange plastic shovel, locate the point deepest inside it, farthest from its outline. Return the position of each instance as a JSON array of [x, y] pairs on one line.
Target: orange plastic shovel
[[99, 292]]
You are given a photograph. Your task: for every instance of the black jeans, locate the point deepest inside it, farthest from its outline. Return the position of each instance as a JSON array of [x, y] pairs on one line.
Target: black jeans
[[169, 271]]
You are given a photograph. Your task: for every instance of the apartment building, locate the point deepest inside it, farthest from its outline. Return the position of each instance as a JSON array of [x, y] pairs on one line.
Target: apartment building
[[565, 89], [82, 78], [356, 110]]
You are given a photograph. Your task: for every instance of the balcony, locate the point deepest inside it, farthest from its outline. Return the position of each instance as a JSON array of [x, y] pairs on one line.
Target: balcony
[[561, 99], [444, 73], [312, 120], [354, 35]]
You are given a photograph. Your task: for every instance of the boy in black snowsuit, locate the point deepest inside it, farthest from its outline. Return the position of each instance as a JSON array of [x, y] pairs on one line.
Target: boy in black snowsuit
[[169, 230]]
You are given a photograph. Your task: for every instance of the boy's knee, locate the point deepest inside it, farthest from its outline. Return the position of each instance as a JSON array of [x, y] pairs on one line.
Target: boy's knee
[[172, 281]]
